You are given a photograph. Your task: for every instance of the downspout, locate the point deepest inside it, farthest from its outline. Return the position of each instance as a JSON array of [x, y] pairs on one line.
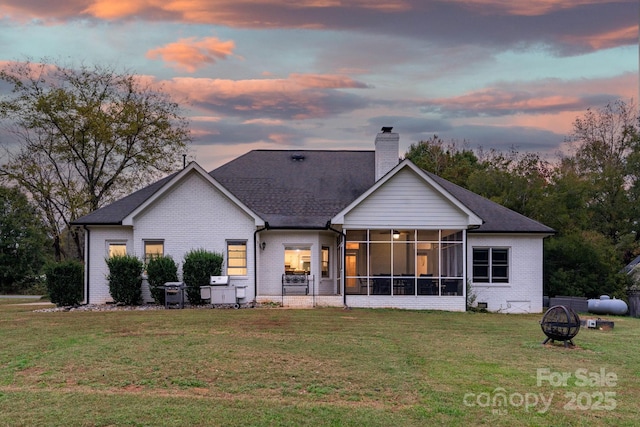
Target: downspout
[[343, 236], [255, 258], [87, 257]]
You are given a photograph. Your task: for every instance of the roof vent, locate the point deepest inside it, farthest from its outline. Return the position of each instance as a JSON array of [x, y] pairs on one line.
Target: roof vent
[[297, 157], [386, 129]]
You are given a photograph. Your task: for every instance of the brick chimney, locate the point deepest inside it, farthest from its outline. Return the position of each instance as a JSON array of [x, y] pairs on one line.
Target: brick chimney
[[387, 146]]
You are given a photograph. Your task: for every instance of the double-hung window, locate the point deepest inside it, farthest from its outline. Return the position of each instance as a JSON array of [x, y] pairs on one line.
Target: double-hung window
[[153, 249], [491, 265], [117, 249], [237, 257]]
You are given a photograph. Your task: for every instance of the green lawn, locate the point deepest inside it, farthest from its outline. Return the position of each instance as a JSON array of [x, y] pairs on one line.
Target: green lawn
[[309, 367]]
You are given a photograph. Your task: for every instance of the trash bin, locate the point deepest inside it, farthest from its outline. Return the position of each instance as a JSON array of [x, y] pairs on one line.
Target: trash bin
[[174, 295]]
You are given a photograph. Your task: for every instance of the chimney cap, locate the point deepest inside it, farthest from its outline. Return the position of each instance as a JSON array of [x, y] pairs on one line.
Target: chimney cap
[[386, 129]]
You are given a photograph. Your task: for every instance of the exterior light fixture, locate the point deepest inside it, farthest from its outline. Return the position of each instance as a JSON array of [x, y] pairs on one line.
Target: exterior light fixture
[[263, 245], [396, 234]]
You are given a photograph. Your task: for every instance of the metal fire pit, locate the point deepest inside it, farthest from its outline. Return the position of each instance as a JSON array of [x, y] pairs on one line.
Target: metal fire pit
[[560, 323]]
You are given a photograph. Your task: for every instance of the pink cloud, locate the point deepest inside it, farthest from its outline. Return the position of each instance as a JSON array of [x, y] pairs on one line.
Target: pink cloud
[[224, 88], [300, 96], [545, 96], [190, 54], [606, 40]]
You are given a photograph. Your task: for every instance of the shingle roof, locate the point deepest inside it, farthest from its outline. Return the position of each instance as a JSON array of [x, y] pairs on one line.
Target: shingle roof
[[306, 188], [497, 218], [298, 188], [115, 212]]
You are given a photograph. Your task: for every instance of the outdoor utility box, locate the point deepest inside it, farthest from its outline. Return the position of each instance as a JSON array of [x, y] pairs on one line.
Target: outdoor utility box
[[174, 294]]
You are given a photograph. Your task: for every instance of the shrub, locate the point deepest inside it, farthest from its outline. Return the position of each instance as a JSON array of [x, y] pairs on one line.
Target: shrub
[[161, 269], [64, 282], [125, 279], [198, 266]]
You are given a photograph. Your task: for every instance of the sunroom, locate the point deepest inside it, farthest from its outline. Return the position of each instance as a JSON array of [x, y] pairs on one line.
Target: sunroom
[[404, 263]]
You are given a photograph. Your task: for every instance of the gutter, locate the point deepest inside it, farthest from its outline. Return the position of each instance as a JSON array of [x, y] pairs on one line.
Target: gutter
[[87, 257]]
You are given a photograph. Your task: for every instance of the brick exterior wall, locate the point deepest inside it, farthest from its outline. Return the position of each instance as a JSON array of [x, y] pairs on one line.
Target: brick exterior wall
[[523, 293], [97, 270], [448, 303], [193, 215], [386, 155]]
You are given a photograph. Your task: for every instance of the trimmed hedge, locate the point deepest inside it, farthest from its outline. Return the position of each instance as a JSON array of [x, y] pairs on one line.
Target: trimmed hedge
[[199, 265], [64, 281], [161, 269], [125, 279]]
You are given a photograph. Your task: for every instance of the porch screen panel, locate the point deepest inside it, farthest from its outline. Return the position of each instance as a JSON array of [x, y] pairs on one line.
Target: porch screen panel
[[380, 266], [404, 259], [356, 256], [404, 264]]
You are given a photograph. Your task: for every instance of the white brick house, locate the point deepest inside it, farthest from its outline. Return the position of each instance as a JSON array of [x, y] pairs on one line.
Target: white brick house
[[330, 228]]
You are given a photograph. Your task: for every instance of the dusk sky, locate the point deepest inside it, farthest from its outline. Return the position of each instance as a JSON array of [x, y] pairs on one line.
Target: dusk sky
[[328, 74]]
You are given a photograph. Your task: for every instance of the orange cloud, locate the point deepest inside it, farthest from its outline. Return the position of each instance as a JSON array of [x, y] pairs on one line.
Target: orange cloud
[[248, 13], [113, 9], [326, 81], [299, 96], [190, 54], [200, 87]]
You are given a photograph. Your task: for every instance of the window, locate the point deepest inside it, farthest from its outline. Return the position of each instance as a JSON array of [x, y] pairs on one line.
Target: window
[[152, 248], [297, 260], [491, 265], [325, 261], [236, 258], [117, 249]]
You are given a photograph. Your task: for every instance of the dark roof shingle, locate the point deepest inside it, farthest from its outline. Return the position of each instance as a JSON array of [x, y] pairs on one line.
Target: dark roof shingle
[[496, 218], [115, 212], [297, 188], [304, 189]]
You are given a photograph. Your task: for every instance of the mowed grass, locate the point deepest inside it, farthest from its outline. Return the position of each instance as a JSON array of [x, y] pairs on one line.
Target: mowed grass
[[324, 366]]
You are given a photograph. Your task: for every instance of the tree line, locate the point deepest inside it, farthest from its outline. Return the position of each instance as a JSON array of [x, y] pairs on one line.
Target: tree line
[[589, 194]]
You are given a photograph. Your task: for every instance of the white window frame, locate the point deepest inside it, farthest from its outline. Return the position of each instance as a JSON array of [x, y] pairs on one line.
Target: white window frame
[[144, 248], [326, 248], [231, 269], [491, 279], [110, 243]]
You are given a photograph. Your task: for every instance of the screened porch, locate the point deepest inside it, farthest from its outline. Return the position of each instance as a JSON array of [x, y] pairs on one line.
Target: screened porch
[[404, 262]]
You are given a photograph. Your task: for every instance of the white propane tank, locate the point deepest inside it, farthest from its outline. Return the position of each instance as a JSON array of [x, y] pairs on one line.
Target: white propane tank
[[606, 305]]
